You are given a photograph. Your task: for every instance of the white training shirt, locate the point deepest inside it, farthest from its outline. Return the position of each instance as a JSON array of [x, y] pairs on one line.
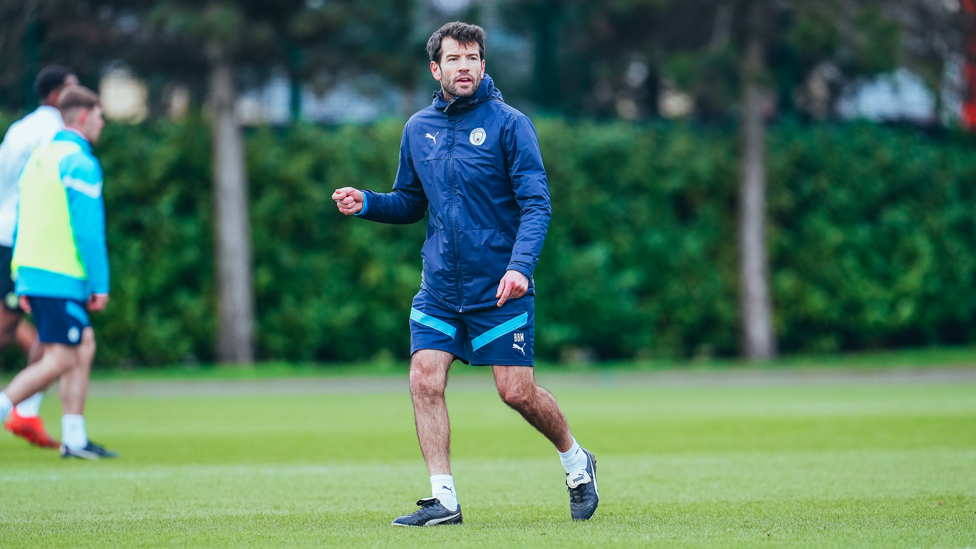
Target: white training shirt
[[23, 138]]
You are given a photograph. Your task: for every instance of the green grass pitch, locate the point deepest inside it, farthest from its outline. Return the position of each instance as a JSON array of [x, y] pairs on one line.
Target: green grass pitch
[[797, 466]]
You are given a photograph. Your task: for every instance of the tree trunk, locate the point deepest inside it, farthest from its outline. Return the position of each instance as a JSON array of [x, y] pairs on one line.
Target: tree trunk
[[758, 341], [235, 341]]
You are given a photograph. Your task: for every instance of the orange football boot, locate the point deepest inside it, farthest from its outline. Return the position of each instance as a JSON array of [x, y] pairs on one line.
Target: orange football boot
[[30, 429]]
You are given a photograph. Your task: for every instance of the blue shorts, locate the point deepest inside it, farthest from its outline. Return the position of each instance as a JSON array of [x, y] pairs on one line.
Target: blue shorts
[[494, 336], [58, 320]]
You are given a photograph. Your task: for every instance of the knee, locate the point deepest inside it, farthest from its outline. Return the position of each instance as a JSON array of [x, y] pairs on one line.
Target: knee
[[87, 347], [516, 396], [425, 382], [61, 358], [425, 387]]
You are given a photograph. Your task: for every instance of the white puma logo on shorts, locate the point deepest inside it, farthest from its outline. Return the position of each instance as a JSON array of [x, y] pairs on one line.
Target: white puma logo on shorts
[[522, 348]]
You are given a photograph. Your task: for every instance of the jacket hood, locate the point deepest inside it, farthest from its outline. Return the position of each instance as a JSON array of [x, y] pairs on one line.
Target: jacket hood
[[486, 91]]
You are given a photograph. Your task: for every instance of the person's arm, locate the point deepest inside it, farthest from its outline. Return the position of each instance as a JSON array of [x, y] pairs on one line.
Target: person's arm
[[82, 179], [407, 203], [524, 163]]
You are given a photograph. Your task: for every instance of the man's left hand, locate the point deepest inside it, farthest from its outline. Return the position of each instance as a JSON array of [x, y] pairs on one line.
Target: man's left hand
[[513, 285], [97, 302]]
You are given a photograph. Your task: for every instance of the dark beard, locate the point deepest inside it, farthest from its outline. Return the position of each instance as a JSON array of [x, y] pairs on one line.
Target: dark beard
[[451, 90]]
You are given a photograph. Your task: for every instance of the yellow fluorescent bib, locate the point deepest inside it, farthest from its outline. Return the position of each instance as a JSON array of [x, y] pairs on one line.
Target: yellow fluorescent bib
[[45, 239]]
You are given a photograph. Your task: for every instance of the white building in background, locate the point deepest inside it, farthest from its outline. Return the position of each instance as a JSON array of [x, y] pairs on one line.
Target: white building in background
[[126, 99], [902, 96], [359, 100]]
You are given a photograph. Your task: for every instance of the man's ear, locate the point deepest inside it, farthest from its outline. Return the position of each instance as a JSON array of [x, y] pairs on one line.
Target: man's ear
[[82, 116], [435, 70]]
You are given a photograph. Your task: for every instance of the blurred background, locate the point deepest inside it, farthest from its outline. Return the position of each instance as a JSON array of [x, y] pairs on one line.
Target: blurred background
[[730, 178]]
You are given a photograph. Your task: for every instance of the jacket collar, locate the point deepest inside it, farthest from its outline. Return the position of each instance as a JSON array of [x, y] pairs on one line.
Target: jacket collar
[[486, 91], [74, 137]]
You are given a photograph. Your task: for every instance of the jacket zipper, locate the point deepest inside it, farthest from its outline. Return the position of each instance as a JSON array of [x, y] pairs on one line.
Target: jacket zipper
[[454, 212]]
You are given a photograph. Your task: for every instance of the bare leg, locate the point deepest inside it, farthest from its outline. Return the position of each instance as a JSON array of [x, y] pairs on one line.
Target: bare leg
[[74, 382], [27, 340], [25, 422], [13, 327], [516, 385], [428, 379], [57, 359]]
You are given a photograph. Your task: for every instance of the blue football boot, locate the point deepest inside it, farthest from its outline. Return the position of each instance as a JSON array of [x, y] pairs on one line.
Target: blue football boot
[[91, 451], [583, 494], [431, 513]]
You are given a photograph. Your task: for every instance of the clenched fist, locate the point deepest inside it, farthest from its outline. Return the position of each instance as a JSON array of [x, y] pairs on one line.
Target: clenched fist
[[349, 200]]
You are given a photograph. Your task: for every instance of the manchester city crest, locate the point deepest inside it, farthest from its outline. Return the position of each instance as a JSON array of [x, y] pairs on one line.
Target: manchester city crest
[[477, 136]]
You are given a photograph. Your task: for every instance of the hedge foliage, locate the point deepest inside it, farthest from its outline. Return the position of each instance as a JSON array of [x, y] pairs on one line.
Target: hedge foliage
[[872, 242]]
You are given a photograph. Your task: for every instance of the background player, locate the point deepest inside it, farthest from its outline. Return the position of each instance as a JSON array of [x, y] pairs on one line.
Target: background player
[[60, 264], [22, 139], [475, 163]]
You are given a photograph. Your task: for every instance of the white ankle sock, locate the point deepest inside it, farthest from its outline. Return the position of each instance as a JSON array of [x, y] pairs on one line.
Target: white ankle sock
[[30, 407], [573, 459], [442, 487], [73, 433], [5, 406]]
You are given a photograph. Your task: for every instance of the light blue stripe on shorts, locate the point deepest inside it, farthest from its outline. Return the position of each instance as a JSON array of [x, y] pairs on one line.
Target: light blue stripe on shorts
[[77, 311], [499, 331], [432, 322]]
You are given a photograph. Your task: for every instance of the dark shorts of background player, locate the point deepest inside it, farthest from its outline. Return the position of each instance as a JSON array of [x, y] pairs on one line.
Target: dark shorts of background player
[[493, 336], [59, 320], [10, 300]]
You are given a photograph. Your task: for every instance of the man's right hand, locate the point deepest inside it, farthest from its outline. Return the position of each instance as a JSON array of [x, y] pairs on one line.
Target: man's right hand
[[349, 200], [97, 302]]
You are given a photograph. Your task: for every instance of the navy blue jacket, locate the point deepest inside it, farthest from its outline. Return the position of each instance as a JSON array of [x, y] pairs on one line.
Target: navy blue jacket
[[474, 165]]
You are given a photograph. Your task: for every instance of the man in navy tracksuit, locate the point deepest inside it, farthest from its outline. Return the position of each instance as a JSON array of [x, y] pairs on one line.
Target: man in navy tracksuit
[[472, 164]]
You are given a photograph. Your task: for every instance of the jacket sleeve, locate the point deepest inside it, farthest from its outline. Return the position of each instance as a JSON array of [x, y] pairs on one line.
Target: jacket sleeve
[[82, 180], [407, 203], [524, 163]]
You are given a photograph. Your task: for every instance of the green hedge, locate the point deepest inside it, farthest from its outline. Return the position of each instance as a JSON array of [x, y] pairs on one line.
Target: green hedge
[[872, 242], [326, 287]]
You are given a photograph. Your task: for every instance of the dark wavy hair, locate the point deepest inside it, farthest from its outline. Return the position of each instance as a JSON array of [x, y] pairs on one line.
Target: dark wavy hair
[[50, 78], [464, 33]]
